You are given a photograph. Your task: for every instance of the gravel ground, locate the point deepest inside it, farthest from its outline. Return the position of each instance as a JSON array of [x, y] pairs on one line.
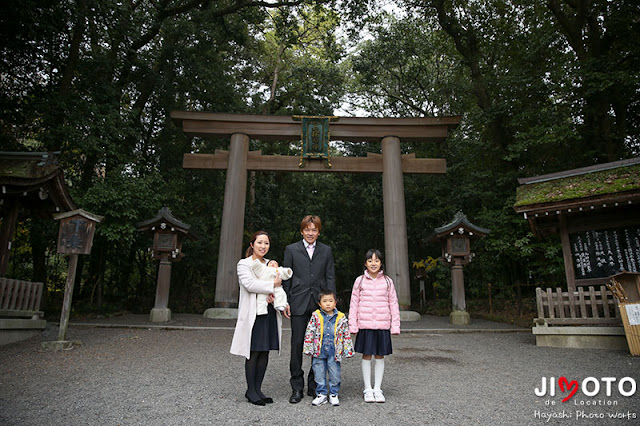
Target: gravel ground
[[131, 372]]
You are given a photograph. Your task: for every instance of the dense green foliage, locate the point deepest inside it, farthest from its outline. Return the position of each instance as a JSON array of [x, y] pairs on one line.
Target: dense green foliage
[[541, 86]]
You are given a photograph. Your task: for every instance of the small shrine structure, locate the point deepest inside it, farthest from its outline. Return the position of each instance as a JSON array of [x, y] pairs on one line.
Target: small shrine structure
[[596, 212], [31, 186], [168, 236], [456, 238]]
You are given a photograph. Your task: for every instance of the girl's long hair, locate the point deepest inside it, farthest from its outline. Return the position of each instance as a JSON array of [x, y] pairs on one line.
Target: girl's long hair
[[255, 235]]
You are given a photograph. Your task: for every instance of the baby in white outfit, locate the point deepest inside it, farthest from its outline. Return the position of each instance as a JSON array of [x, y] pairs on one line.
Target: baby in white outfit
[[269, 272]]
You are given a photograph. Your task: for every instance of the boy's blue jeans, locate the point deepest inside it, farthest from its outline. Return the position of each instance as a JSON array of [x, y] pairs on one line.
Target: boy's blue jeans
[[322, 366]]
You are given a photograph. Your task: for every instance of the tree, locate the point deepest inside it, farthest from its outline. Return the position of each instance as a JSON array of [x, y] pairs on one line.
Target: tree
[[602, 35], [408, 69], [296, 62], [503, 67], [97, 80]]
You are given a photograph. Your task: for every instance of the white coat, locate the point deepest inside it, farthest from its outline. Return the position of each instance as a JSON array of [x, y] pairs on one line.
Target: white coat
[[250, 286]]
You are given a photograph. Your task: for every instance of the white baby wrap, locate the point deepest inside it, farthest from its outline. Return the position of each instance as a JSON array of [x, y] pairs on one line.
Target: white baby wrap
[[265, 272]]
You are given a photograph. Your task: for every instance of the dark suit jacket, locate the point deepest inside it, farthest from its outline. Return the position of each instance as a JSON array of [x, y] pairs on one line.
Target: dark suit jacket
[[309, 275]]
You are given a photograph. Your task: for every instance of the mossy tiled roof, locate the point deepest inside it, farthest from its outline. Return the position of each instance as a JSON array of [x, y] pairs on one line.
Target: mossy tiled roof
[[27, 165], [25, 169], [612, 181], [36, 180]]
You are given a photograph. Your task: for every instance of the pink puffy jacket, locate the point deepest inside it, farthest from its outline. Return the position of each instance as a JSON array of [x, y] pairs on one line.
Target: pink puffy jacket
[[374, 304]]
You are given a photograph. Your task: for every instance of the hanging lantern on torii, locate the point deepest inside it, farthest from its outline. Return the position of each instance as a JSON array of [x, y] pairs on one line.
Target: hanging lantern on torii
[[315, 138]]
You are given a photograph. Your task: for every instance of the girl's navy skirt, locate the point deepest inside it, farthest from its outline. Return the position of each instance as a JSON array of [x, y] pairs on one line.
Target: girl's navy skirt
[[373, 342]]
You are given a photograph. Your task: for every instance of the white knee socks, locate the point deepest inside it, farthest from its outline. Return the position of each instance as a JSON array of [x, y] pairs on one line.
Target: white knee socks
[[366, 373], [379, 372]]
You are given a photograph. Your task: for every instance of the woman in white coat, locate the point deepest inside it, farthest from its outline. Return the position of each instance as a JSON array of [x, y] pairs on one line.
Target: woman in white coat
[[255, 335]]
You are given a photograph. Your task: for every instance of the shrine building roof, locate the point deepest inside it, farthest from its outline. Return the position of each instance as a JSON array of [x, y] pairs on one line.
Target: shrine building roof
[[610, 182], [36, 180], [608, 192]]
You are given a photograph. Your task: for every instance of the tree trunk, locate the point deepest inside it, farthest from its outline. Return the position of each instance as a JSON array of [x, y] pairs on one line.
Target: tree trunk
[[579, 23], [74, 49]]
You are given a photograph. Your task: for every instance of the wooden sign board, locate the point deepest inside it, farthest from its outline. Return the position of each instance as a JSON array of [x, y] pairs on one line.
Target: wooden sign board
[[76, 231], [76, 235], [606, 252]]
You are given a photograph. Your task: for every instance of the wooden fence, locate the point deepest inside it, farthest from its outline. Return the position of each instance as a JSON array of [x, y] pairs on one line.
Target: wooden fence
[[20, 298], [581, 307]]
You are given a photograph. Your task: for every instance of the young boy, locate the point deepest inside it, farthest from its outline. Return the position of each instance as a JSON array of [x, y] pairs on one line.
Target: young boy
[[327, 340]]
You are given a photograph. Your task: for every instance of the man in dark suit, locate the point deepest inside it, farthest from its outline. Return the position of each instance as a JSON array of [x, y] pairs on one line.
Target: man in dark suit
[[313, 271]]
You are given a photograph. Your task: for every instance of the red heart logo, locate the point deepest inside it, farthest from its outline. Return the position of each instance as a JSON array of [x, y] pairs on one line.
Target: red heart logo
[[571, 386]]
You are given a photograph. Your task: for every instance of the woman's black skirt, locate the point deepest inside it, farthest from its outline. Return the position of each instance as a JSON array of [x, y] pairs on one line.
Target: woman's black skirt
[[373, 342], [264, 336]]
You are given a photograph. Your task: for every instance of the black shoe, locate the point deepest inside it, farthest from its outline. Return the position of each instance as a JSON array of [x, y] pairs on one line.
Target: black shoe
[[258, 401], [266, 399], [296, 396]]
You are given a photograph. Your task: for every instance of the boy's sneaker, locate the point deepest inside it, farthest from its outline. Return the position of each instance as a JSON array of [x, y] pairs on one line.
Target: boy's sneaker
[[368, 396], [319, 400], [378, 396], [333, 399]]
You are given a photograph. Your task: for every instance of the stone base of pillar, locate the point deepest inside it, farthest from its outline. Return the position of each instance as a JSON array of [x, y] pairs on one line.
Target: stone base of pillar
[[460, 318], [160, 315], [221, 313], [409, 316], [60, 345]]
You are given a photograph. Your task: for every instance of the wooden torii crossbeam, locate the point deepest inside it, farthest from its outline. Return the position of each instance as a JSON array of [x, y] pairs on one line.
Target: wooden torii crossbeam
[[372, 163], [238, 160]]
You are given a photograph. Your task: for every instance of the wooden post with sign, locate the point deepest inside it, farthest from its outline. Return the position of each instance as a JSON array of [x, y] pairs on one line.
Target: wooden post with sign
[[75, 237]]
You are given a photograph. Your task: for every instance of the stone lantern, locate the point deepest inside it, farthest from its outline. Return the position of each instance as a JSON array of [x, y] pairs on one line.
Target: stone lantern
[[168, 235], [456, 239]]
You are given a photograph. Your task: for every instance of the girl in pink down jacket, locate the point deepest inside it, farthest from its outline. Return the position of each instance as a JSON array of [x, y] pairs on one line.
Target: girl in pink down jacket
[[374, 315]]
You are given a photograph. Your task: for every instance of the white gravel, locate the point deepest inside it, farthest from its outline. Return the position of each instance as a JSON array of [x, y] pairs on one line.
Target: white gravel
[[154, 376]]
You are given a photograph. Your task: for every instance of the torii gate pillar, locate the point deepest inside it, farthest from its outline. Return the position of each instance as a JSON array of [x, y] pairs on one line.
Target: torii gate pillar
[[395, 220], [232, 229], [238, 160]]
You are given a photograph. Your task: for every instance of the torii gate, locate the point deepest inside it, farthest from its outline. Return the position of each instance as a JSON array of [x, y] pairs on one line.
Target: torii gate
[[238, 160]]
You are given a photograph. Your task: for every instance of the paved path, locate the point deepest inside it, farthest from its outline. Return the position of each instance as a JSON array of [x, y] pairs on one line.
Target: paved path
[[131, 372], [427, 323]]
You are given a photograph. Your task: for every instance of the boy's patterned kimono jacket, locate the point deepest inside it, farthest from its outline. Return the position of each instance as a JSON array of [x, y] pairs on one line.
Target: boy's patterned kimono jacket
[[342, 338]]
